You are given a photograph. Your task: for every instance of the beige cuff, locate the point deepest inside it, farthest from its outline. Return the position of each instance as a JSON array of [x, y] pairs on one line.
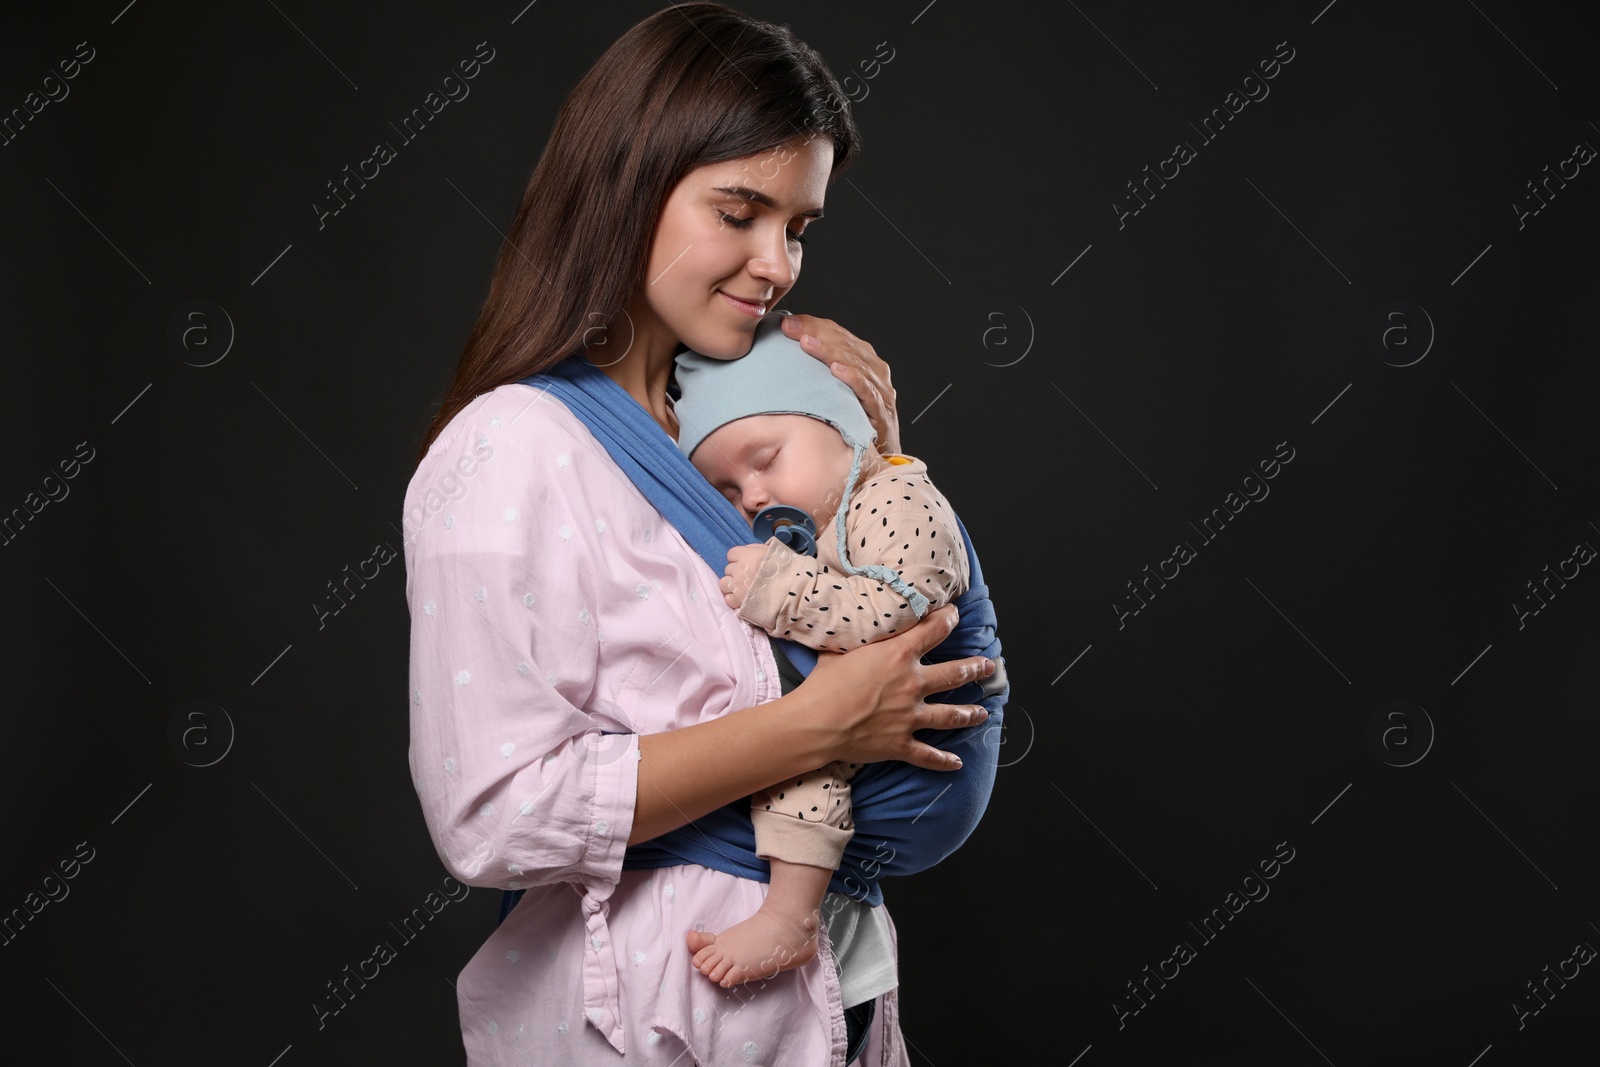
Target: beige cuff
[[768, 596], [784, 837]]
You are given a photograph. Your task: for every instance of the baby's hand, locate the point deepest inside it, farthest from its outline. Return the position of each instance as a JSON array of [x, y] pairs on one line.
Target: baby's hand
[[743, 562]]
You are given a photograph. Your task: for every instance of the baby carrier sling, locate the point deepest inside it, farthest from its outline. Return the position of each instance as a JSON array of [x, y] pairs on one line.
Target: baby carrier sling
[[724, 839]]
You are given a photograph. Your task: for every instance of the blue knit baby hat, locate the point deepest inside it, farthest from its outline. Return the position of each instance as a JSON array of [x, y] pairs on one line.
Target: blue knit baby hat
[[777, 377]]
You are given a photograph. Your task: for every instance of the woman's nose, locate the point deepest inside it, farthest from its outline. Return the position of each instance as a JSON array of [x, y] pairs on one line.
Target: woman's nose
[[773, 263]]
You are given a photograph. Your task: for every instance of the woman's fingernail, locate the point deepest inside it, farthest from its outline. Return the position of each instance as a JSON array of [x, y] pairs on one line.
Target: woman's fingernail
[[807, 339], [955, 761]]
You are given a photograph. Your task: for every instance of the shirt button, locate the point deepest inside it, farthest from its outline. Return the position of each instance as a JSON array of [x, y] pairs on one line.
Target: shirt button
[[601, 827]]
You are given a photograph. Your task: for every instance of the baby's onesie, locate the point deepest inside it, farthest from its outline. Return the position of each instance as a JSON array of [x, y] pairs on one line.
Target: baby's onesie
[[899, 519]]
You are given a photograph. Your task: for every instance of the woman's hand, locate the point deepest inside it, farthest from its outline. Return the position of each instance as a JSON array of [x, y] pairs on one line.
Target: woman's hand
[[874, 695], [861, 706], [856, 364]]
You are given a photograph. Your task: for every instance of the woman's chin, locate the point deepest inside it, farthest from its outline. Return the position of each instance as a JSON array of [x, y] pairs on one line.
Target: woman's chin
[[731, 343]]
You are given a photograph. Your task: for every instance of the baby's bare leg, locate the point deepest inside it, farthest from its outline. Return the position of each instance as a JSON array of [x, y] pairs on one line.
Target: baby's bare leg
[[780, 936]]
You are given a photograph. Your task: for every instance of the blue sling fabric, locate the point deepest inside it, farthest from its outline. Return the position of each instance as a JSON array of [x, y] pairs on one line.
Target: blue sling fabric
[[890, 798]]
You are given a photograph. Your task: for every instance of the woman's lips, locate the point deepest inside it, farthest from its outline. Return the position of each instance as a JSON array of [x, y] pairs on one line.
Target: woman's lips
[[755, 311]]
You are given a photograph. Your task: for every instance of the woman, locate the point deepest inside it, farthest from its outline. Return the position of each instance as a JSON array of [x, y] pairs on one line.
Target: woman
[[587, 716]]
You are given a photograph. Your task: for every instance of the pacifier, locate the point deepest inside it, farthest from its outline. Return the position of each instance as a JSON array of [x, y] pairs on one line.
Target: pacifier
[[790, 525]]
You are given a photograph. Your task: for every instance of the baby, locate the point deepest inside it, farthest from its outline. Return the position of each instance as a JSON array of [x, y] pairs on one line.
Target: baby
[[776, 427]]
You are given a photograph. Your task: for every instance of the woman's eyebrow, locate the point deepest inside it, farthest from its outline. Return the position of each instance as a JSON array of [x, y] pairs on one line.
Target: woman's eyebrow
[[746, 193]]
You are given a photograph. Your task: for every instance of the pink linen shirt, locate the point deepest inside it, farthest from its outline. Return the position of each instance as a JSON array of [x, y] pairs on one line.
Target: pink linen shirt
[[555, 616]]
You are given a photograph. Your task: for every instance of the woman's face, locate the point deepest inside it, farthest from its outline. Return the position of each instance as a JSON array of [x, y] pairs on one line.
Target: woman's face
[[729, 230]]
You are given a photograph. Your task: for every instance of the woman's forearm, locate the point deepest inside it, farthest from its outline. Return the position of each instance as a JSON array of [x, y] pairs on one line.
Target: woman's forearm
[[686, 773]]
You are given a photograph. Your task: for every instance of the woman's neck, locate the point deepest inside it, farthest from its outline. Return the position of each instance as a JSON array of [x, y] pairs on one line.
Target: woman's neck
[[643, 371]]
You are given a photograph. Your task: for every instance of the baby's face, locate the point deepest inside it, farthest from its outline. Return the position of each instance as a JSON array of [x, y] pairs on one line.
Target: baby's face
[[761, 460]]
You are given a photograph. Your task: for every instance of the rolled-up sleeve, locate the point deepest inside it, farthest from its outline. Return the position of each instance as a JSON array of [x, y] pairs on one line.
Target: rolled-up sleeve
[[523, 779]]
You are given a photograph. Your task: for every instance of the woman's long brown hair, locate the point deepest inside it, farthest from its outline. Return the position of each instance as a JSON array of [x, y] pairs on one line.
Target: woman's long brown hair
[[691, 85]]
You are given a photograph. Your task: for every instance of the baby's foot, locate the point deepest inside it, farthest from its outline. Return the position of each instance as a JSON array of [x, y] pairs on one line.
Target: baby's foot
[[759, 947]]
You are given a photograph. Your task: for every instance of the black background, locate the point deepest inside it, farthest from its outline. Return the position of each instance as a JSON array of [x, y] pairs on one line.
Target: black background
[[1138, 388]]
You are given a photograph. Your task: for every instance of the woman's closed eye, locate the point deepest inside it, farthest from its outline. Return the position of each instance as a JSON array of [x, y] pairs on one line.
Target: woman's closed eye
[[744, 224]]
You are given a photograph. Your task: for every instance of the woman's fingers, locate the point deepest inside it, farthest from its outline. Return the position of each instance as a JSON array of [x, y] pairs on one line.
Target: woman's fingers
[[879, 694], [943, 677], [932, 759], [944, 717], [933, 628], [926, 635], [952, 716]]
